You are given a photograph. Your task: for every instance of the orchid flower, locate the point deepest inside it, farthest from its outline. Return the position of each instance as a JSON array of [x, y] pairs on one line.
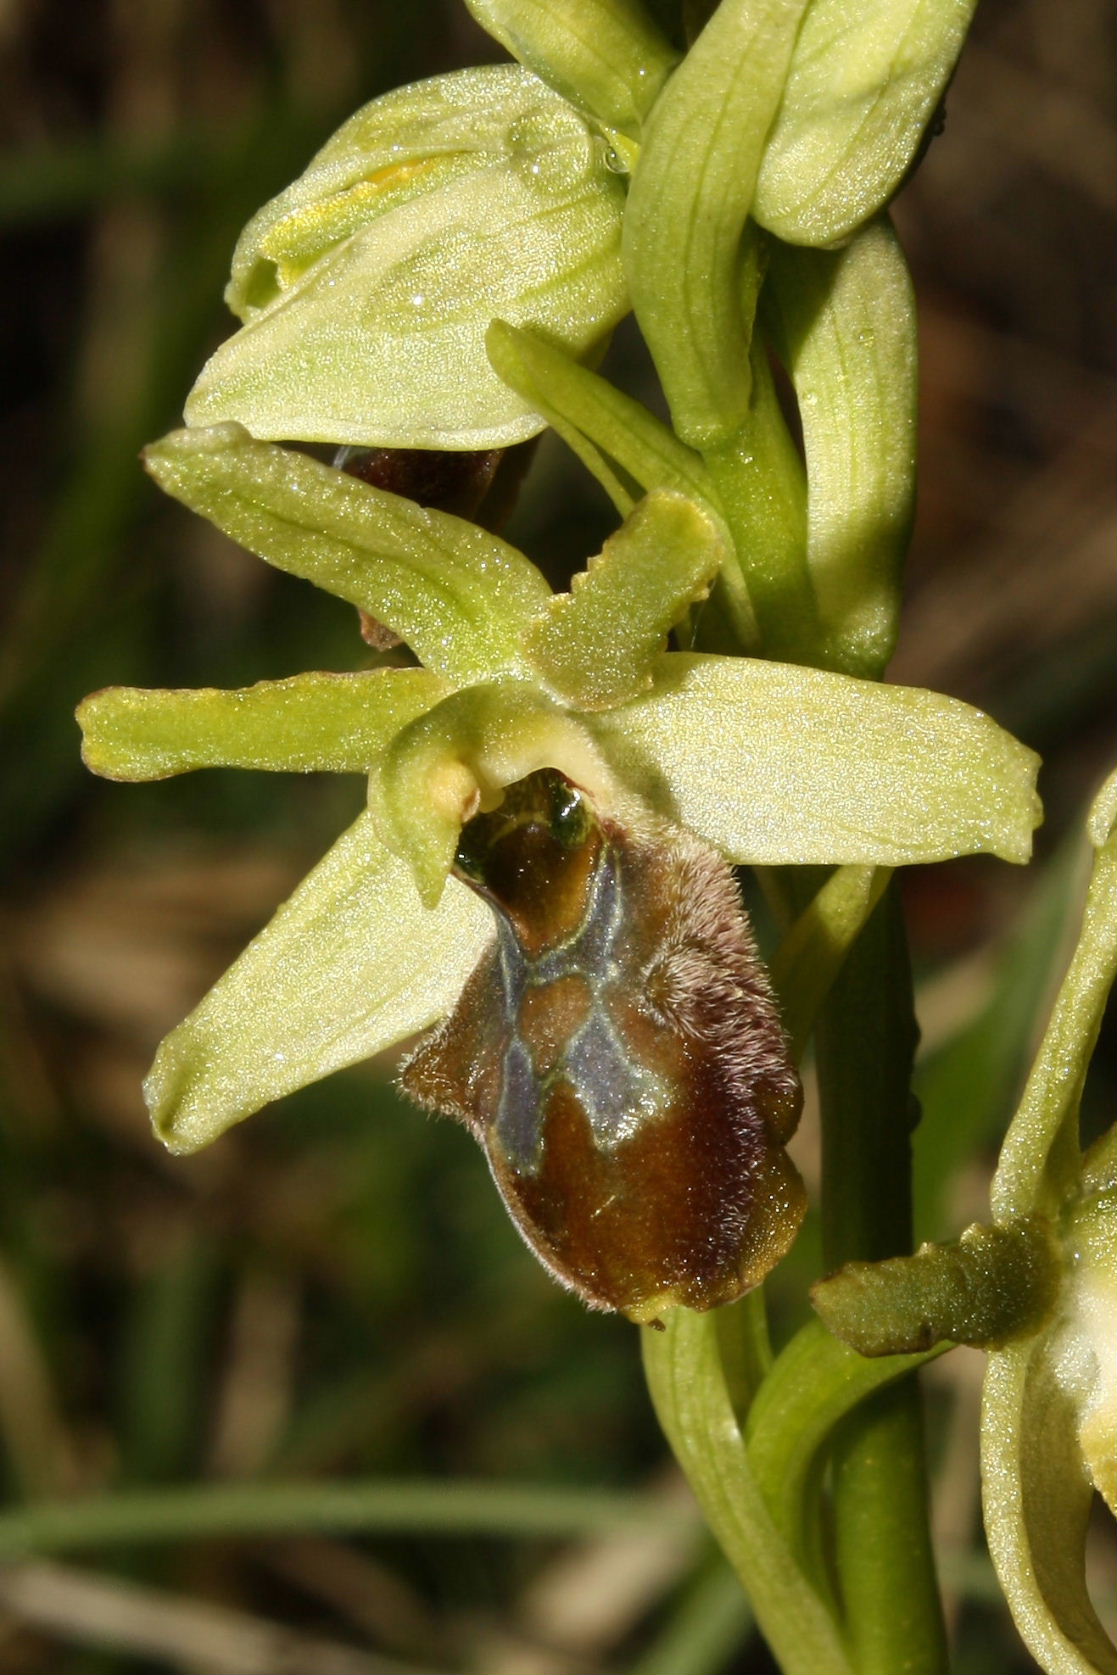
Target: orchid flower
[[764, 763]]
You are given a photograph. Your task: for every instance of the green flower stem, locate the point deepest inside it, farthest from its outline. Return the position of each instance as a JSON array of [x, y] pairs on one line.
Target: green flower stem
[[865, 1045], [885, 1561], [688, 1383]]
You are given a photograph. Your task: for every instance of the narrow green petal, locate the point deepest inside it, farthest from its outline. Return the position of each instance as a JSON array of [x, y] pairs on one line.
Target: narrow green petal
[[459, 597], [847, 330], [1039, 1166], [367, 287], [863, 85], [596, 645], [626, 447], [690, 198], [349, 965], [776, 763], [814, 950], [313, 723], [605, 56]]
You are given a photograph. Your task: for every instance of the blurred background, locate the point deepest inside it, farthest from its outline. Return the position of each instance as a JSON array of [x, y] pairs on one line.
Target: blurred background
[[332, 1295]]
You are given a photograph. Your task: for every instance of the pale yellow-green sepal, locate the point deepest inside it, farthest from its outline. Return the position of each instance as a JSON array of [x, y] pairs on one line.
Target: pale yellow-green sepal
[[367, 286], [595, 645], [312, 723], [460, 597], [862, 87], [782, 764], [349, 965]]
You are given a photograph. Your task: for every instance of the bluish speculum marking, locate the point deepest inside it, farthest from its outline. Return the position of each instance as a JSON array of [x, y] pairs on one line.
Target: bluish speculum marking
[[616, 1092]]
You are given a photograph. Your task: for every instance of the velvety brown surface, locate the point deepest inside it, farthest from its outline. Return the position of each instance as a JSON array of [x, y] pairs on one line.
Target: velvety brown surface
[[619, 1056]]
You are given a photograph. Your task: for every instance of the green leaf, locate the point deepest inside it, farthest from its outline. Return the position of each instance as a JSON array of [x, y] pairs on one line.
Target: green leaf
[[458, 758], [368, 285], [311, 723], [687, 1383], [814, 1383], [846, 329], [459, 597], [775, 763], [863, 85], [606, 56], [625, 447], [1040, 1163], [690, 198], [628, 450], [349, 965], [596, 644]]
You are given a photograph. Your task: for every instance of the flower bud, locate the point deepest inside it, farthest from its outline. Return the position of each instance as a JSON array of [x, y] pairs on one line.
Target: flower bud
[[367, 286]]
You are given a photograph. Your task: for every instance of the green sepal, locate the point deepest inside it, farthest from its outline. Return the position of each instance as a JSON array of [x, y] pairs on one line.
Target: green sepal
[[460, 597], [456, 760], [596, 644], [606, 56], [351, 964], [986, 1288], [312, 723], [1037, 1501], [626, 448], [781, 764], [367, 286], [862, 87], [687, 210], [845, 325]]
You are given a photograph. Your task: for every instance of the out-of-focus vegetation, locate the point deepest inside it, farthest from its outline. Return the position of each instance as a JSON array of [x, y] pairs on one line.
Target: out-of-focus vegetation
[[332, 1298]]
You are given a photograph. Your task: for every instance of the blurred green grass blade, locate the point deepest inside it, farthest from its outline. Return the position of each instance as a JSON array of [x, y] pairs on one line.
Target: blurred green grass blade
[[713, 1618], [399, 1505], [164, 1367]]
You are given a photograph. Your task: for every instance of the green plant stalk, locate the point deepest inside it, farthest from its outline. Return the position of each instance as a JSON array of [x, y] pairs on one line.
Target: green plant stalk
[[865, 1047]]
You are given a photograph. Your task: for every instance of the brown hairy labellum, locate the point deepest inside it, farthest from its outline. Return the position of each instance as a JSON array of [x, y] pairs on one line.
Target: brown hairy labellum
[[619, 1055]]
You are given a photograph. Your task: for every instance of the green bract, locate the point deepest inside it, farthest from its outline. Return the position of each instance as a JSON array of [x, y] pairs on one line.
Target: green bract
[[863, 85], [367, 286], [691, 195], [771, 763]]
